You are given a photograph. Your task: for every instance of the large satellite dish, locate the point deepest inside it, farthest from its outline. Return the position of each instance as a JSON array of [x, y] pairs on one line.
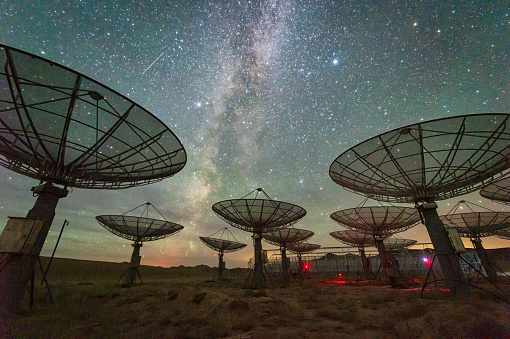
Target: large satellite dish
[[139, 229], [61, 127], [258, 216], [283, 238], [222, 246], [360, 240], [498, 191], [425, 162], [380, 222], [475, 225]]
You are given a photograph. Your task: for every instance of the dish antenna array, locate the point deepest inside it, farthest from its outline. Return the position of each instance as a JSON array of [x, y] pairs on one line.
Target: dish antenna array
[[380, 222], [476, 225], [426, 162], [63, 128], [398, 244], [283, 238], [222, 245], [359, 240], [139, 229], [258, 216]]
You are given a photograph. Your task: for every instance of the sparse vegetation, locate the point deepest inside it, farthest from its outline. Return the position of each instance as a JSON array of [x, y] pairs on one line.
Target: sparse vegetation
[[180, 305]]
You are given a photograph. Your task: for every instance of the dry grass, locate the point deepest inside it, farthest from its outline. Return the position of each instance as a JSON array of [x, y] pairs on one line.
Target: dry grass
[[179, 303]]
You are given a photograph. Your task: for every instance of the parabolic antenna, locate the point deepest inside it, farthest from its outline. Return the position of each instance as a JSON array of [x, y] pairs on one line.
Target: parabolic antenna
[[61, 127], [283, 238], [475, 225], [498, 191], [299, 249], [380, 222], [359, 240], [222, 246], [397, 244], [138, 229], [429, 161], [303, 247], [258, 216]]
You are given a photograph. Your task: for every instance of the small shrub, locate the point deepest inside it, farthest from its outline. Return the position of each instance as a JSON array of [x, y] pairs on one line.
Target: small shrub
[[199, 297], [172, 295]]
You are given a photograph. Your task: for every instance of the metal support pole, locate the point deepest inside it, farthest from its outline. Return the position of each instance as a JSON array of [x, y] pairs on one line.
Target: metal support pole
[[443, 247], [386, 264], [486, 263], [133, 267], [367, 273], [17, 273], [285, 268], [55, 249], [220, 266], [258, 273]]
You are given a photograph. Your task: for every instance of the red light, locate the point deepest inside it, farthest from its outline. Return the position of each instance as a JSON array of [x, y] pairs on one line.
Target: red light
[[306, 267]]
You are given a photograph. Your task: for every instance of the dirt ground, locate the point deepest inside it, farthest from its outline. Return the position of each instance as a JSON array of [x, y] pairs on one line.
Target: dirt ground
[[186, 303]]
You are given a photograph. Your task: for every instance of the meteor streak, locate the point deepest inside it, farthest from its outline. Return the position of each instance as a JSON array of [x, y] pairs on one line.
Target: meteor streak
[[153, 62]]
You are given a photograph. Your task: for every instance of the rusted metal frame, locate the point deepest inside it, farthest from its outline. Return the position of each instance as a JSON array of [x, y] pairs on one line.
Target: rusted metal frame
[[91, 150], [9, 64], [492, 137], [149, 161], [445, 166], [375, 169], [122, 225], [283, 216], [34, 105], [397, 165], [63, 139], [115, 164], [153, 162], [235, 214], [16, 136]]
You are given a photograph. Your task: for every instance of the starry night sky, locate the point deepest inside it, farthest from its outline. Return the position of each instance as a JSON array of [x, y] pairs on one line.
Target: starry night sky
[[261, 94]]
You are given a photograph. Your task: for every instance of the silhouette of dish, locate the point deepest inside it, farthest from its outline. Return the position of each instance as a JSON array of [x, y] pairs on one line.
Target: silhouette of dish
[[258, 216], [432, 160], [61, 127], [498, 191]]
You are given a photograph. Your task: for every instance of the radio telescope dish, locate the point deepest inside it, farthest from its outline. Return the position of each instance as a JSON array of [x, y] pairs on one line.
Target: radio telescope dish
[[301, 248], [359, 240], [222, 246], [498, 191], [138, 229], [283, 238], [63, 128], [380, 222], [397, 244], [304, 247], [475, 225], [258, 216], [429, 161]]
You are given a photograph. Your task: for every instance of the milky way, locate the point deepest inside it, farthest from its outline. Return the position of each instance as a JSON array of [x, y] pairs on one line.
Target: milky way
[[261, 94]]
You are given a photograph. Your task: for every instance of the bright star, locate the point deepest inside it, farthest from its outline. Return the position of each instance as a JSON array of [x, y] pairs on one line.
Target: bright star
[[335, 61]]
